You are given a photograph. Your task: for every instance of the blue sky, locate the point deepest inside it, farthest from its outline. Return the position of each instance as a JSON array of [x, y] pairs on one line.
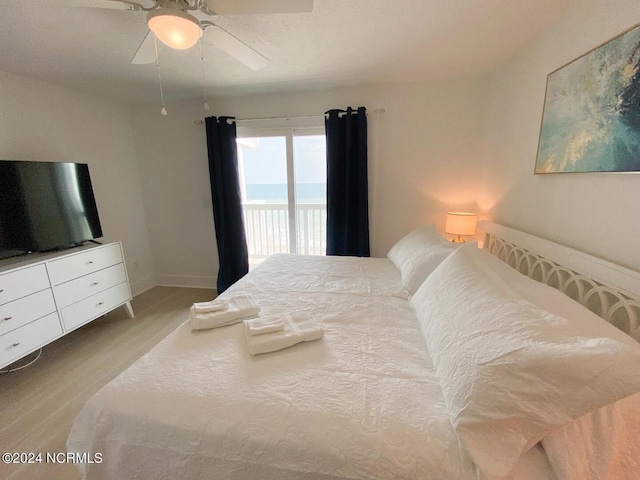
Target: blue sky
[[267, 163]]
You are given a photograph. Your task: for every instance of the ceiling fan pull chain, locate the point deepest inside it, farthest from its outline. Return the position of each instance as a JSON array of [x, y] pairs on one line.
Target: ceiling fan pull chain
[[155, 43], [204, 82]]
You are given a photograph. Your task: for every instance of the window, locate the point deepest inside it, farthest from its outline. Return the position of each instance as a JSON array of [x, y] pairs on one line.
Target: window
[[283, 186]]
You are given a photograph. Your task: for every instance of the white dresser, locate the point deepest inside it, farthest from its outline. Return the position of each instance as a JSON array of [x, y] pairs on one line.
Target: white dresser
[[46, 296]]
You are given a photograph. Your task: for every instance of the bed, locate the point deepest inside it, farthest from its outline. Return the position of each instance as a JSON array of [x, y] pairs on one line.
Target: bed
[[365, 401]]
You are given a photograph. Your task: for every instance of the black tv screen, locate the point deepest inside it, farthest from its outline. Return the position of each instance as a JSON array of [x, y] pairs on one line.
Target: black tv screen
[[45, 206]]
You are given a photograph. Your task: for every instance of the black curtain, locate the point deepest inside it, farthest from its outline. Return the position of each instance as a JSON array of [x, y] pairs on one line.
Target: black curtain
[[347, 188], [227, 201]]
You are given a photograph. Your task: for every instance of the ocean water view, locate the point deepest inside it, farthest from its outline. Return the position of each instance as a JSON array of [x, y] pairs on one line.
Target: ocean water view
[[277, 192]]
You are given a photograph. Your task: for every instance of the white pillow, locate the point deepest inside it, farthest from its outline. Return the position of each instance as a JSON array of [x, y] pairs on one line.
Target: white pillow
[[510, 372], [602, 444], [407, 246], [419, 253], [425, 261]]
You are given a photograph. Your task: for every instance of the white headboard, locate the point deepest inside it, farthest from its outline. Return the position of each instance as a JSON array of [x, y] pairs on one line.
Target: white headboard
[[609, 290]]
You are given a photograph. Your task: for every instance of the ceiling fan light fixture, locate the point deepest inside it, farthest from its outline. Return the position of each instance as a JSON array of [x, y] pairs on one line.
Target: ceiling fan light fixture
[[174, 28]]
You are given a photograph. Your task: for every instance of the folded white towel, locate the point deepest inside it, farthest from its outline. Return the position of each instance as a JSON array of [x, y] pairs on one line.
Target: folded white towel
[[262, 325], [239, 308], [212, 306], [298, 327]]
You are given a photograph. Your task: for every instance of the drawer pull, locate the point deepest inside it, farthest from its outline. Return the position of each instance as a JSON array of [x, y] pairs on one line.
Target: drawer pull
[[90, 262], [6, 319], [101, 303], [94, 284], [1, 290], [16, 344]]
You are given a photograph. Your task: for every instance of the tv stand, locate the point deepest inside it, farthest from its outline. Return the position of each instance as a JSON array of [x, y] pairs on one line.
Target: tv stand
[[45, 296]]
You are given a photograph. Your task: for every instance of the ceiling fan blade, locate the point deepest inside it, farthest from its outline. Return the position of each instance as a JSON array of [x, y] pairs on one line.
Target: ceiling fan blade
[[146, 52], [236, 48], [112, 4], [108, 4], [243, 7]]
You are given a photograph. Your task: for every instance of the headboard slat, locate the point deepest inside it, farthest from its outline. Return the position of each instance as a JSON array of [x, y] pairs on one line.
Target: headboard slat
[[609, 290]]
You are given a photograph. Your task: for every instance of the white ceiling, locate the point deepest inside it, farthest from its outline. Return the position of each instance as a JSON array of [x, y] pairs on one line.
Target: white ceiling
[[341, 42]]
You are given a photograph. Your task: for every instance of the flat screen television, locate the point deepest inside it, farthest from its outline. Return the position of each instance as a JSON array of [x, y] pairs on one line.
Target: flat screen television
[[45, 206]]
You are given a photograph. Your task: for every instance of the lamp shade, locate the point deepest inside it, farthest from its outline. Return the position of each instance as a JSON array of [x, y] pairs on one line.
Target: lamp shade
[[174, 28], [461, 223]]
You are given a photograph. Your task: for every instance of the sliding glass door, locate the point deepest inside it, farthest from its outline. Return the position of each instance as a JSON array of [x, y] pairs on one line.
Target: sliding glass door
[[283, 185], [310, 187]]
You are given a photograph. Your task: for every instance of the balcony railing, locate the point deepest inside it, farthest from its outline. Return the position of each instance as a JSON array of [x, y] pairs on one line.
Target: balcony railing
[[267, 228]]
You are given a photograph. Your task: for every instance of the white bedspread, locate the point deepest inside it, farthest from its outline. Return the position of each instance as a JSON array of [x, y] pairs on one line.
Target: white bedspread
[[362, 402]]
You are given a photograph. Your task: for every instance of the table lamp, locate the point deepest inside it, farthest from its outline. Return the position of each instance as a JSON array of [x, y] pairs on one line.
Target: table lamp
[[460, 223]]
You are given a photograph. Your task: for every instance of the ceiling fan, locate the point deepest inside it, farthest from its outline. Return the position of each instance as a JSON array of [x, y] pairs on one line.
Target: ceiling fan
[[173, 22]]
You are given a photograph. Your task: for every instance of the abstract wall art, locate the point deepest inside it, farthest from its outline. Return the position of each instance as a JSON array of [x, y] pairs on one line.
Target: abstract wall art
[[591, 116]]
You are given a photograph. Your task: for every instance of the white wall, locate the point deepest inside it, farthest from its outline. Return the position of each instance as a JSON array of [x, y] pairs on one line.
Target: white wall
[[39, 121], [597, 213], [422, 160], [455, 144]]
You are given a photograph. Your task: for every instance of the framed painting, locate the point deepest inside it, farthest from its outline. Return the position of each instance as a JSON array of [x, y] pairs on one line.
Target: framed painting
[[591, 116]]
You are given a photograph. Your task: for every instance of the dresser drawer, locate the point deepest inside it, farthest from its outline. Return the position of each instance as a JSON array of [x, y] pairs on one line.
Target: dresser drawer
[[83, 287], [80, 264], [23, 282], [18, 343], [27, 309], [81, 312]]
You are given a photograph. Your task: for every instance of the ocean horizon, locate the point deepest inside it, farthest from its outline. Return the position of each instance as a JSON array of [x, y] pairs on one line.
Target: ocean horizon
[[277, 192]]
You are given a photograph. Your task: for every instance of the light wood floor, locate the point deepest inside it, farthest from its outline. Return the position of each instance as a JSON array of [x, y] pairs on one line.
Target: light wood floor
[[39, 403]]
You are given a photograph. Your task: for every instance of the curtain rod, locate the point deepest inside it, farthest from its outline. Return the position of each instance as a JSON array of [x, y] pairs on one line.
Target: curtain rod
[[288, 117], [278, 118]]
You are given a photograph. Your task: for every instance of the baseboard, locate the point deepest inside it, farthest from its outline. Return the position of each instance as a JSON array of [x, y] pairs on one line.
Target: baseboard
[[142, 286], [189, 281]]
